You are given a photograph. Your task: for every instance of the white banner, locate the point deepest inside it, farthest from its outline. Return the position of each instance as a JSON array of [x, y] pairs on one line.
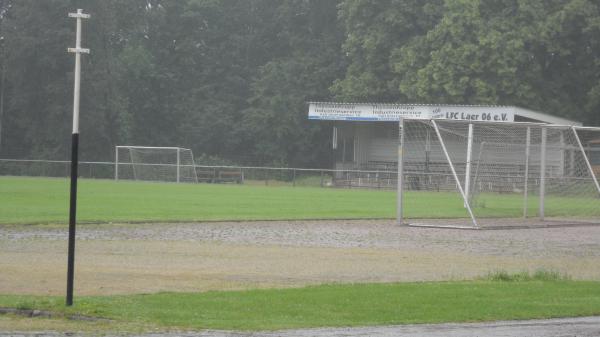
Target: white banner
[[392, 112]]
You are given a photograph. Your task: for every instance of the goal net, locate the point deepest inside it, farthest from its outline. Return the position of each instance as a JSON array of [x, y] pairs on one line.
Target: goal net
[[171, 164], [470, 174]]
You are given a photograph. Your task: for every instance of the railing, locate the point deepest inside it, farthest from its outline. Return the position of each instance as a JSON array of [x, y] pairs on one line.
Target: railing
[[270, 176]]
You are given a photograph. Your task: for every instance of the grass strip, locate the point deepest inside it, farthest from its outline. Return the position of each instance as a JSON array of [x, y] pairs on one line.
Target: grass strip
[[25, 200], [45, 200], [495, 298]]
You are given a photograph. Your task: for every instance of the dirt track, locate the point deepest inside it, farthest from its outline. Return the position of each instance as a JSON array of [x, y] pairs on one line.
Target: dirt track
[[141, 258]]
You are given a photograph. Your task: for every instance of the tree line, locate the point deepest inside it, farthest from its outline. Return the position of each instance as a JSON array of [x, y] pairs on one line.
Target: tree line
[[230, 78]]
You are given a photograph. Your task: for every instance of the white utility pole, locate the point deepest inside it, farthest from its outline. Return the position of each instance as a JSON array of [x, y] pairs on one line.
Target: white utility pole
[[74, 153]]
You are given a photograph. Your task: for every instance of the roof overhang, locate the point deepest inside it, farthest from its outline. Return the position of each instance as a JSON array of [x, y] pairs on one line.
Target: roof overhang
[[393, 112], [542, 117]]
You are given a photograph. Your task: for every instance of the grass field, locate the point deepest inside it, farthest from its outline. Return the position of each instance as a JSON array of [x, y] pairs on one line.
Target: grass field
[[339, 305], [45, 200]]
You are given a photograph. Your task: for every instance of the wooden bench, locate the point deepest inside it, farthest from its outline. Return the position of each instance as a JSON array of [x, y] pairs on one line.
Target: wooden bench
[[206, 175], [220, 175], [229, 176]]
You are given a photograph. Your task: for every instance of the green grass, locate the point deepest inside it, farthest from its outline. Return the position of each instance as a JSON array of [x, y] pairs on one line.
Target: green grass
[[511, 205], [340, 305], [45, 200]]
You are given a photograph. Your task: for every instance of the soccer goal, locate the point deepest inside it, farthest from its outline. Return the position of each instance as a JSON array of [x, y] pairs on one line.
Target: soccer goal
[[468, 174], [171, 164]]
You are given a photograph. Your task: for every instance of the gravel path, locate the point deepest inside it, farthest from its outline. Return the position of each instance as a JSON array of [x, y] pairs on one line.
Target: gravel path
[[566, 327], [581, 241], [134, 258]]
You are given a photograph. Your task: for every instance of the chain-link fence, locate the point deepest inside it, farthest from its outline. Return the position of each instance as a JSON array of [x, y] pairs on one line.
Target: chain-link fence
[[55, 168], [269, 176]]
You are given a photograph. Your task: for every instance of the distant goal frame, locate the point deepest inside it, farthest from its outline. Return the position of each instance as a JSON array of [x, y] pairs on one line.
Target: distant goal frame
[[177, 165]]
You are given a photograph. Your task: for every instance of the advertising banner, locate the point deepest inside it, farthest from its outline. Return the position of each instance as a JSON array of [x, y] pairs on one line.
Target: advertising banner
[[392, 112]]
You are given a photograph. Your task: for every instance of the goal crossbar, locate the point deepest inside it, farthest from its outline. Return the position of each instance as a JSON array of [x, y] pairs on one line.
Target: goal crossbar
[[152, 147]]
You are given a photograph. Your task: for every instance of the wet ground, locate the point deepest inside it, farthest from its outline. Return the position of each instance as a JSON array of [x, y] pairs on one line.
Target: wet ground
[[134, 258], [137, 258], [568, 327]]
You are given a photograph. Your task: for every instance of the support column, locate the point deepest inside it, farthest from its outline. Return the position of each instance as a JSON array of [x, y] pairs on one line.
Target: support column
[[543, 174], [400, 193], [334, 139], [468, 165], [561, 168], [526, 177]]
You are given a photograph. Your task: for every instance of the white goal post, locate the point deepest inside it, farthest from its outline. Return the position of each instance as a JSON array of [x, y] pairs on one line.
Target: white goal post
[[154, 163], [475, 174]]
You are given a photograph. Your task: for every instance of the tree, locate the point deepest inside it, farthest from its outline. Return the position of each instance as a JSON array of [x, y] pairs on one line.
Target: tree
[[231, 78], [275, 126], [35, 35], [537, 54], [4, 7], [373, 30]]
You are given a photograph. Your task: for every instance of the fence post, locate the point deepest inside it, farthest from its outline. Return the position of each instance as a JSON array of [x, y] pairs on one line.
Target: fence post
[[294, 178], [178, 164], [321, 178], [348, 179], [116, 163]]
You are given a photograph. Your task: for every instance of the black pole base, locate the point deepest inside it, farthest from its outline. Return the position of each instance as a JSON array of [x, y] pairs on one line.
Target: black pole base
[[72, 217]]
